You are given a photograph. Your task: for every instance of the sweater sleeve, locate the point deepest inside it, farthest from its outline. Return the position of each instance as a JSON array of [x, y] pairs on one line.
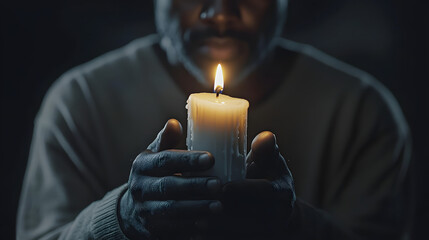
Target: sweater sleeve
[[64, 191], [97, 221], [366, 185]]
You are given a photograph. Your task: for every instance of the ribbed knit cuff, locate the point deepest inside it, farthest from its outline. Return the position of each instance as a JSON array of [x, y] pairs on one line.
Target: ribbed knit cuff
[[105, 223]]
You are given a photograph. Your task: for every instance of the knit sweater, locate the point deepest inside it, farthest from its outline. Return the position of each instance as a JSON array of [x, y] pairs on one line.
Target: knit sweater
[[343, 134]]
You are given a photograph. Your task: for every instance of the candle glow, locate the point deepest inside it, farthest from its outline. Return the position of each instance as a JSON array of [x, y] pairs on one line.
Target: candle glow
[[218, 124], [218, 84]]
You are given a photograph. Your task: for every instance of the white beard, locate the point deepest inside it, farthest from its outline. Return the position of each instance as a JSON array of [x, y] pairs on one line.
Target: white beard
[[175, 56], [176, 53]]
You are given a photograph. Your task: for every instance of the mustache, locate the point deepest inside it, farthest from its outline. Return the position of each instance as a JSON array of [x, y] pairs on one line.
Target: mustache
[[200, 35]]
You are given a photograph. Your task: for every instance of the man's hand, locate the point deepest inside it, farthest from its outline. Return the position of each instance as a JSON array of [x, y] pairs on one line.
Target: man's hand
[[160, 202], [260, 206]]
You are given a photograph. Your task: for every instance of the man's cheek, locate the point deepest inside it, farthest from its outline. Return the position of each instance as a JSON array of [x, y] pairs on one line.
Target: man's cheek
[[189, 15], [253, 17]]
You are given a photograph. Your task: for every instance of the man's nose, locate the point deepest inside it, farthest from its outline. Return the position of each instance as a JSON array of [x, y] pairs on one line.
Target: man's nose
[[220, 12]]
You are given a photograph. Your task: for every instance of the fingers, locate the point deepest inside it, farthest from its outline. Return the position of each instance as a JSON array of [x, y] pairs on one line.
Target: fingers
[[151, 176], [175, 188], [168, 137], [264, 143], [249, 197], [254, 227], [172, 161], [258, 198], [182, 209], [264, 160], [249, 189], [164, 218]]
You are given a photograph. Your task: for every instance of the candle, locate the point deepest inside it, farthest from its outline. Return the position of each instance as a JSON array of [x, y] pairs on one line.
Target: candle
[[217, 123]]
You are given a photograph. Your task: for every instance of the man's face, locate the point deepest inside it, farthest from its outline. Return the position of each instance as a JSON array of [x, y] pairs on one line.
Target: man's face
[[203, 33]]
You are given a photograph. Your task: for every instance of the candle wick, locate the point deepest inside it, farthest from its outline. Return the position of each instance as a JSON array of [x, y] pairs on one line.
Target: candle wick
[[218, 90]]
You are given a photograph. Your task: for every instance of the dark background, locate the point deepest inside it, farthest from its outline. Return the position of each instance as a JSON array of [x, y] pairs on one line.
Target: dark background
[[42, 39]]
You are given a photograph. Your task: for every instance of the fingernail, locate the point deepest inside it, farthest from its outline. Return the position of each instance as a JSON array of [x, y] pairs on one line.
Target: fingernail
[[213, 185], [204, 159], [216, 207]]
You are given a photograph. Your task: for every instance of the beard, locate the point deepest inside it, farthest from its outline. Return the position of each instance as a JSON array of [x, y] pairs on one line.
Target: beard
[[186, 51], [191, 48]]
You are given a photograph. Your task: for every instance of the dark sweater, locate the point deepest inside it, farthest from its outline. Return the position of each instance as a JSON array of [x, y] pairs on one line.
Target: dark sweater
[[342, 132]]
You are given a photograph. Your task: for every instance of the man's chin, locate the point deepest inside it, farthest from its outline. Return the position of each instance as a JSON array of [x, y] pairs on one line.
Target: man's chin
[[228, 60], [221, 49], [217, 54], [231, 69]]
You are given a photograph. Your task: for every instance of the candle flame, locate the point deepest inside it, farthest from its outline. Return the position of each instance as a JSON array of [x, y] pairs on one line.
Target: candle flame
[[219, 79]]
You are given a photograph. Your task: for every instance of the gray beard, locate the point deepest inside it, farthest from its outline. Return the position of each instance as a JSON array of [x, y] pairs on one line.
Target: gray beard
[[175, 55]]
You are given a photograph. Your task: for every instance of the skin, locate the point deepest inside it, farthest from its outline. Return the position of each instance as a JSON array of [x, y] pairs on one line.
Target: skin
[[238, 33], [160, 202]]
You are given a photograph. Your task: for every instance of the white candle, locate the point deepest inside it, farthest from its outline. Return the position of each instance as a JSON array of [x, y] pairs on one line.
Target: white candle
[[218, 124]]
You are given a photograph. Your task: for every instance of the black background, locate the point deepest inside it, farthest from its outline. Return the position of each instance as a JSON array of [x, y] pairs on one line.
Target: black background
[[42, 39]]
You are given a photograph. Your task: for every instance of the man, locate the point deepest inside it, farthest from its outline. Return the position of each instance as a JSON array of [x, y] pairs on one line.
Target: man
[[343, 134]]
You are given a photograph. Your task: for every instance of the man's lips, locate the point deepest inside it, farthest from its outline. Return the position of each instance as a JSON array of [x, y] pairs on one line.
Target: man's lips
[[218, 48]]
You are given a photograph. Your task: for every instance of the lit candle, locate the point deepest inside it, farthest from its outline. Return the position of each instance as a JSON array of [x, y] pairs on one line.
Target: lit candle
[[218, 124]]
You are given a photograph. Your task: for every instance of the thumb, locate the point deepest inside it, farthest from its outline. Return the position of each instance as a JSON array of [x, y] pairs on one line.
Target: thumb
[[264, 159], [168, 137], [265, 143]]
